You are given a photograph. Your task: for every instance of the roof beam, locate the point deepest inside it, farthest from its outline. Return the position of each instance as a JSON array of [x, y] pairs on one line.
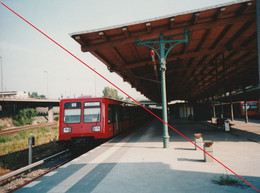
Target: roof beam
[[103, 36], [183, 56], [249, 40], [220, 38], [196, 17], [101, 58], [232, 85], [202, 40], [228, 76], [245, 8], [166, 32], [121, 61], [226, 59], [192, 69], [148, 27], [125, 31], [172, 22], [207, 67], [220, 13], [239, 32]]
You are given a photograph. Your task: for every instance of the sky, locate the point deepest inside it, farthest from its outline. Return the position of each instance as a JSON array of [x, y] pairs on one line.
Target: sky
[[32, 63]]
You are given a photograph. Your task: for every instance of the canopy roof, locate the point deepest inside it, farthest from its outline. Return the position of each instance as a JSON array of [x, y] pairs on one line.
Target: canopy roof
[[220, 56]]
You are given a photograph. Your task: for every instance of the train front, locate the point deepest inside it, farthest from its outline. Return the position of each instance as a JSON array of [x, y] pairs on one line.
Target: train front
[[81, 120]]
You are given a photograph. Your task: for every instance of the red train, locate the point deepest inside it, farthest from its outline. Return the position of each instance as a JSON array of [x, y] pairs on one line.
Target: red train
[[87, 119], [253, 109]]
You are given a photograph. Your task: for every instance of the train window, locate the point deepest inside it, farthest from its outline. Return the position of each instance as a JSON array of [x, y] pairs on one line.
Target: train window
[[91, 115], [72, 115], [254, 106], [72, 105], [247, 107], [92, 104], [110, 114]]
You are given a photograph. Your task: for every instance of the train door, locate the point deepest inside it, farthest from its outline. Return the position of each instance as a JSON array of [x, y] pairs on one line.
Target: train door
[[117, 119], [111, 118]]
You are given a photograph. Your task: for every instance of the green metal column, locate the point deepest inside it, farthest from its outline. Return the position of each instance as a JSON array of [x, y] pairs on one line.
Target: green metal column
[[245, 109], [162, 53], [258, 41], [165, 136], [214, 107], [231, 107]]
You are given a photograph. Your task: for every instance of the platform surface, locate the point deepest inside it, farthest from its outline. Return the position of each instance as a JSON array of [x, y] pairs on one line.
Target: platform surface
[[136, 162], [250, 130]]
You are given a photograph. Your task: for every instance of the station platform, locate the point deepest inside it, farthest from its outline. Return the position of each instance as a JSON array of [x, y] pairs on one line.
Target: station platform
[[136, 162], [250, 130]]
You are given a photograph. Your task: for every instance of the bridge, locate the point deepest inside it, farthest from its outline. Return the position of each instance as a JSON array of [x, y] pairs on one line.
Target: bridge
[[9, 106]]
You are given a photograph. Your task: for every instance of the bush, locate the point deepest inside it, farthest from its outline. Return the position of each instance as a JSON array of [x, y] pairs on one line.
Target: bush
[[24, 117], [5, 138], [3, 127], [226, 181]]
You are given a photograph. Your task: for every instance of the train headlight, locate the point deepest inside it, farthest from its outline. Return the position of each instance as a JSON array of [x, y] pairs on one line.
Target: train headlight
[[67, 130], [96, 128]]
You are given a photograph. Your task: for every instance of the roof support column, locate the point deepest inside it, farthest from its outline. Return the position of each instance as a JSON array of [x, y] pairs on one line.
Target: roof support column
[[258, 40], [213, 106], [231, 107], [50, 114], [245, 106], [165, 136], [162, 53]]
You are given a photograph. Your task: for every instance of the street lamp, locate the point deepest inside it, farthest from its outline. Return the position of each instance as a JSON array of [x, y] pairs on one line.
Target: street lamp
[[69, 92], [2, 78], [95, 84], [47, 84]]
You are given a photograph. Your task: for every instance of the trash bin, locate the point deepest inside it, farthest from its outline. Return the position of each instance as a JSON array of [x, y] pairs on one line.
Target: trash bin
[[220, 122], [226, 125]]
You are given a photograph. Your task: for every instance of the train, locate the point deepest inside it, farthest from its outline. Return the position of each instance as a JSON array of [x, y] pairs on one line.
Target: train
[[253, 109], [86, 120]]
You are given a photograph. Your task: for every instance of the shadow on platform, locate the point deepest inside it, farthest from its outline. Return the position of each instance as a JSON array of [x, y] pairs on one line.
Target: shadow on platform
[[136, 177], [187, 128]]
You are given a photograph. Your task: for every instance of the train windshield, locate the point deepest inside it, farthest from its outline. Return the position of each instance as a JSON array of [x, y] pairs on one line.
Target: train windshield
[[72, 115], [247, 106], [254, 106], [72, 112], [91, 115], [91, 112]]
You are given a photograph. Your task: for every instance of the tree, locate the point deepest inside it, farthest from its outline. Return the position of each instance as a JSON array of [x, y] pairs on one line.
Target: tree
[[111, 93], [24, 117], [36, 96]]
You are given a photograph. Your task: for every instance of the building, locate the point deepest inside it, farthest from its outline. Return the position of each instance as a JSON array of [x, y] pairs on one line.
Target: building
[[14, 94]]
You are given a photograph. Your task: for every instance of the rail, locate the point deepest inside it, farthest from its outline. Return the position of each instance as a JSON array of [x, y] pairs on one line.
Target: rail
[[17, 129], [21, 170]]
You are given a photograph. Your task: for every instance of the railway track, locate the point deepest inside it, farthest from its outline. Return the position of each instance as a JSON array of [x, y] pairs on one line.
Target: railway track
[[43, 167], [19, 178], [14, 130]]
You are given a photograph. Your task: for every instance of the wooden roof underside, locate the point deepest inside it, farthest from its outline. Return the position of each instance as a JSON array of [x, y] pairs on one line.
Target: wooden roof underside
[[221, 54]]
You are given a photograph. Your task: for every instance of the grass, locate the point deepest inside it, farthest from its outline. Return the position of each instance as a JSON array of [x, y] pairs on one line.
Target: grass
[[18, 142], [13, 149], [3, 127], [5, 138]]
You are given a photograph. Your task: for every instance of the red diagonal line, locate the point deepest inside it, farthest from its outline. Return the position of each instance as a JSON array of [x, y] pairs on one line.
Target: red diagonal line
[[128, 95]]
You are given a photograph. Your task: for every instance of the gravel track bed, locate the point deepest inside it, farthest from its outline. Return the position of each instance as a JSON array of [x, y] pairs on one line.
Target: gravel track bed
[[23, 178]]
